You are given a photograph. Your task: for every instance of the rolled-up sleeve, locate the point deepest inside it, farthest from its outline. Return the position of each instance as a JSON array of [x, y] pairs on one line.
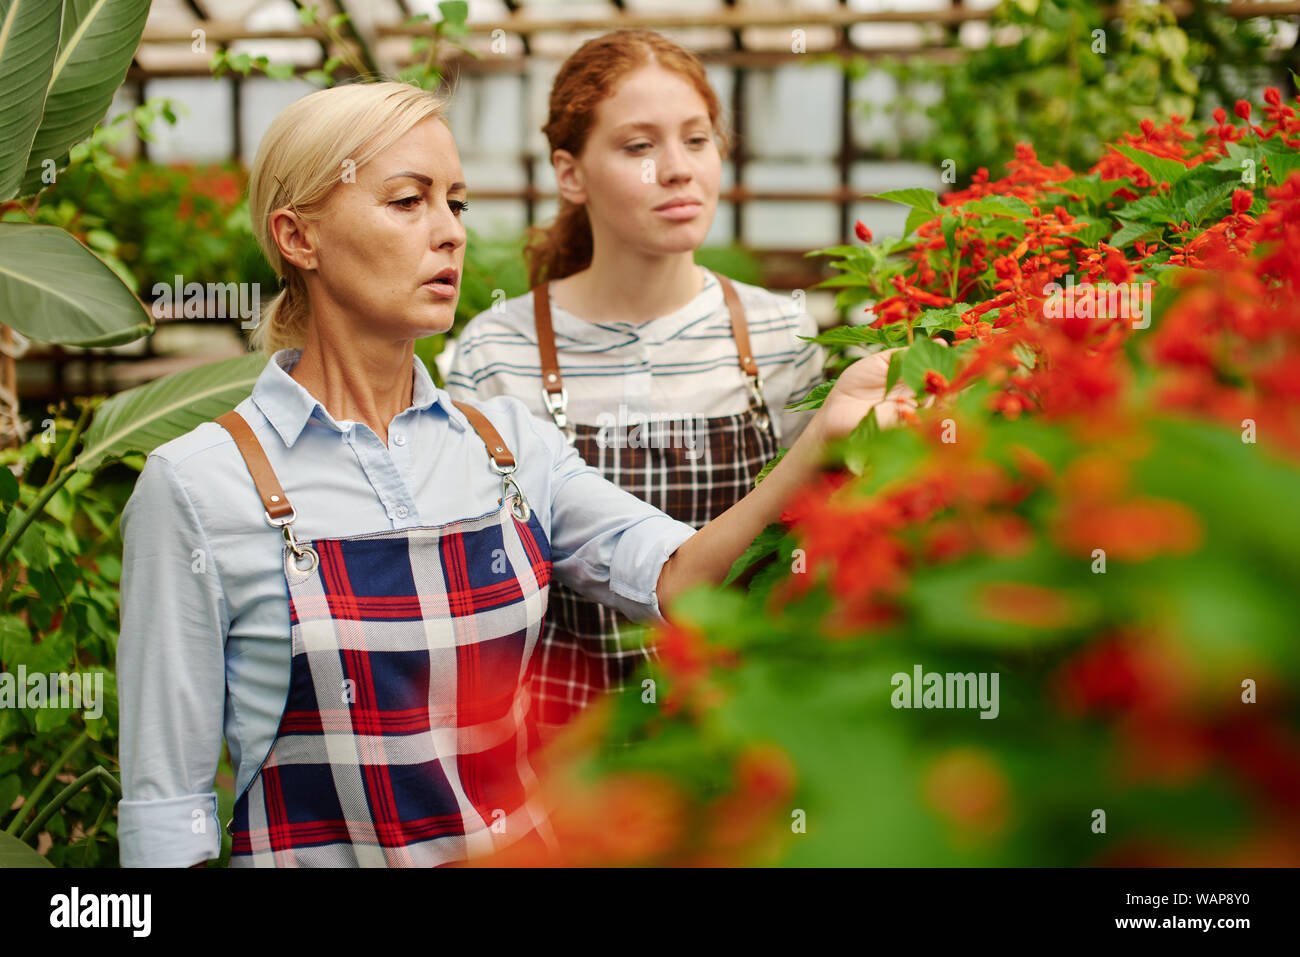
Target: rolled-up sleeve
[[606, 544], [170, 677]]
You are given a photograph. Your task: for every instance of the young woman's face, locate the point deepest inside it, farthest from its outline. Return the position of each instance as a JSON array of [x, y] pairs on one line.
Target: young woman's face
[[650, 170], [389, 229]]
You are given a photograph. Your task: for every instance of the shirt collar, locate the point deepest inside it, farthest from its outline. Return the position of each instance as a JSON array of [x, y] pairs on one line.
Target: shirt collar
[[288, 406]]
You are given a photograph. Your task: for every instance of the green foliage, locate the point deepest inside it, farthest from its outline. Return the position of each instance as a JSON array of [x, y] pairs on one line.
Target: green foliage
[[1061, 75], [59, 613]]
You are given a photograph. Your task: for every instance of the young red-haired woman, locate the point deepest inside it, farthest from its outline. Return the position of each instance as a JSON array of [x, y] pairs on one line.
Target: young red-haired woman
[[669, 379]]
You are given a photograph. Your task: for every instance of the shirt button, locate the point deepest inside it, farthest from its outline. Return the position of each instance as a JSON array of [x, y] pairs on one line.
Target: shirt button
[[401, 511], [399, 439]]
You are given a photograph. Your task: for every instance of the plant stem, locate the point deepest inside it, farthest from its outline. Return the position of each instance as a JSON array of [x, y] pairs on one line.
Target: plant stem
[[65, 452], [45, 782], [38, 506], [66, 795], [59, 474]]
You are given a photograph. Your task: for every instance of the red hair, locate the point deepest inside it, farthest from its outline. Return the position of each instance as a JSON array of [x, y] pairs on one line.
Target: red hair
[[591, 74]]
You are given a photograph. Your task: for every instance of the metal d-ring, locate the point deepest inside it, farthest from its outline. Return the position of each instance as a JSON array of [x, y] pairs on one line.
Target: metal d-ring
[[757, 405], [298, 548], [556, 405], [519, 507]]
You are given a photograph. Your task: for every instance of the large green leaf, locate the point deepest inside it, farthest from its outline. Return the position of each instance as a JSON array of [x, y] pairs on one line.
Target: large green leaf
[[29, 43], [53, 289], [141, 419], [99, 39], [14, 853]]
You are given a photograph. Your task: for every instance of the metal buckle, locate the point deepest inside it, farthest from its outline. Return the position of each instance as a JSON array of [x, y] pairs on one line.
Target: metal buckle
[[556, 404], [299, 549], [757, 405], [519, 507]]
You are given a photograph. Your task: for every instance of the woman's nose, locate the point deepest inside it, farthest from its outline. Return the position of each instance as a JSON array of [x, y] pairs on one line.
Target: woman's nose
[[447, 230], [673, 165]]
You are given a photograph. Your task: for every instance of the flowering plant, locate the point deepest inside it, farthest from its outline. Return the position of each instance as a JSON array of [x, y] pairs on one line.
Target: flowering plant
[[1050, 619]]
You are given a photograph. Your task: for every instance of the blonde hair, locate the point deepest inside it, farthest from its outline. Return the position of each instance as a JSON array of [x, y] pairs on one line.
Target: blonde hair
[[305, 153]]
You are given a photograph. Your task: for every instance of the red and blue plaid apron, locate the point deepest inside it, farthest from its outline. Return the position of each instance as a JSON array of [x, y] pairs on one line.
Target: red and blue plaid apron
[[406, 737]]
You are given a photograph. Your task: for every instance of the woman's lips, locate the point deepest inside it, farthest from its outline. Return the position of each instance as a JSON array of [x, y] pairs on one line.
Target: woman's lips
[[444, 289], [680, 211]]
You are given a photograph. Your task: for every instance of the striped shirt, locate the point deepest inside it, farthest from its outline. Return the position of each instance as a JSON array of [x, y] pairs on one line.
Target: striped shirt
[[683, 364]]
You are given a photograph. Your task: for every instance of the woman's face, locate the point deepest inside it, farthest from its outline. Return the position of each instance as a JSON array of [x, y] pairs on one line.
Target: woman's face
[[389, 228], [650, 170]]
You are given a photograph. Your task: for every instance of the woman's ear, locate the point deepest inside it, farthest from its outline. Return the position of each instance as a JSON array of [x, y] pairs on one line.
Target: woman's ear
[[293, 237], [568, 177]]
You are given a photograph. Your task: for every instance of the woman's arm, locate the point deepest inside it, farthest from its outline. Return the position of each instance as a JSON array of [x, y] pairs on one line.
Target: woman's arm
[[170, 676], [707, 556]]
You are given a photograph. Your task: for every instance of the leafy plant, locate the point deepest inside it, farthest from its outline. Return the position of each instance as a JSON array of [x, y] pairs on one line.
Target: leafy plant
[[1094, 509], [1070, 77]]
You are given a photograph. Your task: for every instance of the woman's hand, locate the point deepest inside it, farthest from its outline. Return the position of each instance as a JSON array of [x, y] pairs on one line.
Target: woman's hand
[[859, 389], [707, 556]]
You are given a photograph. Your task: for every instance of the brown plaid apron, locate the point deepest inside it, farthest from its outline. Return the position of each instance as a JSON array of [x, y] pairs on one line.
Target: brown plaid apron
[[692, 469]]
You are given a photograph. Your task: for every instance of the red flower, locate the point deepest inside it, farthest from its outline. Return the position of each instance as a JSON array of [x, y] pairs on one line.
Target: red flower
[[862, 232], [1242, 109]]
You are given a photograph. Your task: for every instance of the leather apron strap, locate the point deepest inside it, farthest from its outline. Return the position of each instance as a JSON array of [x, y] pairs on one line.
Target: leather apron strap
[[276, 502], [556, 396]]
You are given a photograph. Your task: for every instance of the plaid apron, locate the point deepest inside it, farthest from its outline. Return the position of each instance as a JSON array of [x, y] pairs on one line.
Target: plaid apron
[[693, 469], [406, 736]]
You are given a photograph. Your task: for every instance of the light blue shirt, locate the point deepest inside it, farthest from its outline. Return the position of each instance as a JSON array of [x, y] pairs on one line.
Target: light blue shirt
[[204, 647]]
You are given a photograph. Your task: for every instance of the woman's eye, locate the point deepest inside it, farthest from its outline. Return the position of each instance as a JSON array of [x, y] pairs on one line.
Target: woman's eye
[[637, 146], [699, 140], [458, 206], [406, 202]]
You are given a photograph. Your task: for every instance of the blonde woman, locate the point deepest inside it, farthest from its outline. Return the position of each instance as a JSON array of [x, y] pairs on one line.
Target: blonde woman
[[669, 379], [346, 575]]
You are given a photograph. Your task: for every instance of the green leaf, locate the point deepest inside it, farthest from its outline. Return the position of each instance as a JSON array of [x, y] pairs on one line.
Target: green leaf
[[944, 317], [1095, 231], [765, 544], [29, 44], [1131, 232], [98, 41], [14, 853], [926, 354], [8, 485], [1200, 205], [859, 336], [1282, 165], [1091, 188], [15, 638], [999, 206], [141, 419], [454, 13], [1160, 169], [1149, 209], [895, 369], [53, 289], [771, 464], [814, 399], [917, 198]]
